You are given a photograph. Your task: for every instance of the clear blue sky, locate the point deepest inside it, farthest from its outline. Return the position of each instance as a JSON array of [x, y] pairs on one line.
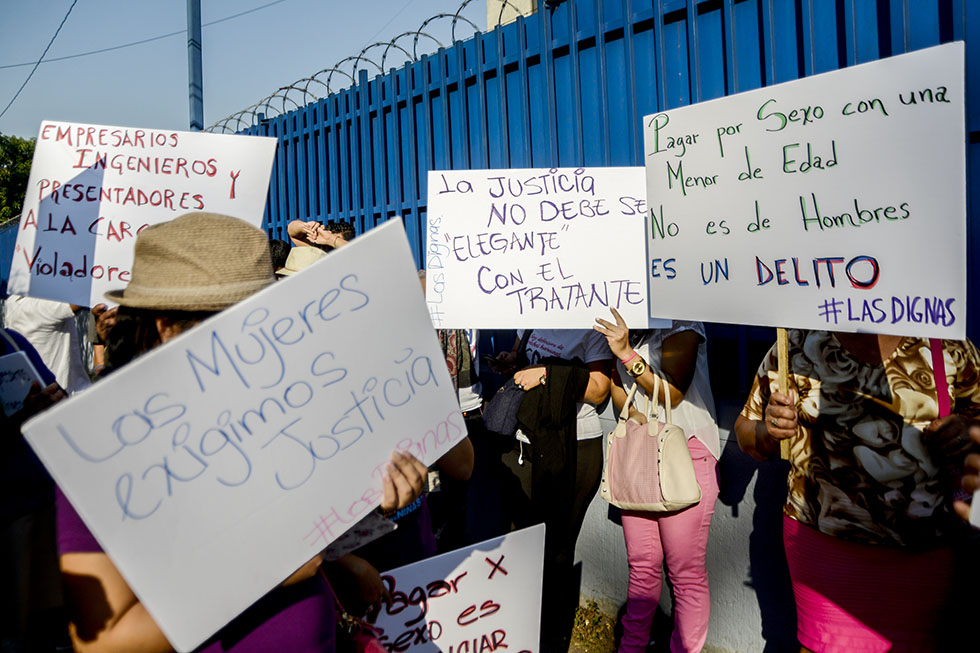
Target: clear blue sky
[[245, 58]]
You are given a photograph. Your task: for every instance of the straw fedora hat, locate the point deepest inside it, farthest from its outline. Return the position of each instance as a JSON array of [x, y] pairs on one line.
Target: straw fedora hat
[[300, 258], [197, 262]]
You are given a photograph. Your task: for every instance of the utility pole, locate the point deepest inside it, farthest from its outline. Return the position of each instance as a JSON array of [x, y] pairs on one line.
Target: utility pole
[[195, 78]]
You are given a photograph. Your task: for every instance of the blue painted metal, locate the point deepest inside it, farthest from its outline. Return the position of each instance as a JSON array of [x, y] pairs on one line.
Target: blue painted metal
[[569, 86], [8, 238]]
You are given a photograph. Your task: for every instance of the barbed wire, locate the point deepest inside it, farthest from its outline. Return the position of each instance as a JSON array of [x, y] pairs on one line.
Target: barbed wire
[[321, 84]]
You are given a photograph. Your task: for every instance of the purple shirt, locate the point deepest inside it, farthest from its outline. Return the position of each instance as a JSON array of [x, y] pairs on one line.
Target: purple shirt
[[300, 617]]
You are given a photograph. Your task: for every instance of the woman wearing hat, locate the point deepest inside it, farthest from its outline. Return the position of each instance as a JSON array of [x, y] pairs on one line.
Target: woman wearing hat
[[184, 271]]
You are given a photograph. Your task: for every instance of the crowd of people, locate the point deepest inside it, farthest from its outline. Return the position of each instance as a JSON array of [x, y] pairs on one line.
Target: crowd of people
[[882, 432]]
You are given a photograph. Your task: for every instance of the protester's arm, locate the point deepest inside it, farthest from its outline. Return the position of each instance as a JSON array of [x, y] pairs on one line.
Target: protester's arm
[[618, 394], [598, 388], [105, 615], [954, 441], [950, 438], [37, 400], [404, 482], [329, 238], [457, 463], [98, 359], [356, 582], [506, 361], [105, 319], [300, 232], [595, 392], [678, 361], [678, 356], [307, 571], [760, 437], [970, 482]]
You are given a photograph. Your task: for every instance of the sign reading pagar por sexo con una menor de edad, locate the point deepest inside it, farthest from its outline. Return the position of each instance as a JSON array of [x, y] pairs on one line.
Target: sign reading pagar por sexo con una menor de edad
[[833, 202], [93, 188]]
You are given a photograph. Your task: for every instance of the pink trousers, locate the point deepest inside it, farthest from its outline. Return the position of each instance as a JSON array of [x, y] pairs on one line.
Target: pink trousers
[[682, 538]]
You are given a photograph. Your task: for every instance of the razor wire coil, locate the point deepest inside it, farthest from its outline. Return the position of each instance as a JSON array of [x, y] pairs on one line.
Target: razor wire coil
[[374, 58]]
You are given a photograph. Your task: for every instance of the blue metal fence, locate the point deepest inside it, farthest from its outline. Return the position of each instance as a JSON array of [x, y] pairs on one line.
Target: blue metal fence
[[569, 86]]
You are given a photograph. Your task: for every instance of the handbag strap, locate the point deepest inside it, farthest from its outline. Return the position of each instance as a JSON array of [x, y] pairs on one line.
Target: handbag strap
[[939, 374], [523, 360], [650, 405], [624, 413], [346, 620], [659, 383]]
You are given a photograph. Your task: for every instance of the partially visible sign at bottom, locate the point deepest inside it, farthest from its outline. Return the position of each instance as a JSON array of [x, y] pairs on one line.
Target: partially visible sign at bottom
[[477, 599]]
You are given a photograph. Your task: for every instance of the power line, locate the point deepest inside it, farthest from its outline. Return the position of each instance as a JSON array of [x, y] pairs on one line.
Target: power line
[[74, 2], [390, 21], [85, 54], [141, 42]]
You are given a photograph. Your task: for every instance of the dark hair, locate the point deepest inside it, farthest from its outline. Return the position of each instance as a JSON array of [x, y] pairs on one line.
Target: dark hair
[[135, 332], [280, 252], [342, 227]]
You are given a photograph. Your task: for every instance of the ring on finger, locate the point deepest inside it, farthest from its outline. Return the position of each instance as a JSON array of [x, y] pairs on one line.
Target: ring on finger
[[773, 422]]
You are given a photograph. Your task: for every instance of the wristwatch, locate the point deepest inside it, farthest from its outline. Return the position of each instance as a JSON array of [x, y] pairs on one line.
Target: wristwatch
[[638, 367]]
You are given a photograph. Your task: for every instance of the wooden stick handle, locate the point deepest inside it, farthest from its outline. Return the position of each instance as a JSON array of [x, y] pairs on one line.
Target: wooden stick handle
[[782, 351]]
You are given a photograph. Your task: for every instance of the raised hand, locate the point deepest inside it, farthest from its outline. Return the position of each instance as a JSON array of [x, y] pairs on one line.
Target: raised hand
[[617, 335]]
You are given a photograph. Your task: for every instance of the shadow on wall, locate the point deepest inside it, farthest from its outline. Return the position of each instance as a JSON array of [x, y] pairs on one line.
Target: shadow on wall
[[768, 570]]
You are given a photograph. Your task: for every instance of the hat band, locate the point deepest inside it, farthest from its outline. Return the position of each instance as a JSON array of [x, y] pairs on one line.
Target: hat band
[[194, 292]]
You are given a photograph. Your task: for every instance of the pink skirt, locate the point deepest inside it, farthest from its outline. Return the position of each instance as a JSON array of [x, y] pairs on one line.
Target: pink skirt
[[858, 598]]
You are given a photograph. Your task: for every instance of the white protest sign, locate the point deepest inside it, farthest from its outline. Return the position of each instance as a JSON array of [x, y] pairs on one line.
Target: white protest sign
[[477, 599], [257, 438], [546, 248], [17, 373], [92, 188], [833, 202]]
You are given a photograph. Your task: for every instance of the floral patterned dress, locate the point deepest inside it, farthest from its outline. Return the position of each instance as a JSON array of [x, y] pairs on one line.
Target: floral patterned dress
[[860, 470]]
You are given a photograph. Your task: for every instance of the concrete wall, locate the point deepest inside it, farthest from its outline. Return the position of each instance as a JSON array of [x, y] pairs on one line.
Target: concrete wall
[[752, 605]]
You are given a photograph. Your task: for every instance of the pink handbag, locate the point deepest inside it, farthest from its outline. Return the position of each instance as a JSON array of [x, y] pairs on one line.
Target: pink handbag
[[648, 466]]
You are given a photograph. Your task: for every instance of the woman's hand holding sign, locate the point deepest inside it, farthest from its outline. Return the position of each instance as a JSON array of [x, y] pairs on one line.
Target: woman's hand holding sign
[[781, 416], [760, 438], [404, 482]]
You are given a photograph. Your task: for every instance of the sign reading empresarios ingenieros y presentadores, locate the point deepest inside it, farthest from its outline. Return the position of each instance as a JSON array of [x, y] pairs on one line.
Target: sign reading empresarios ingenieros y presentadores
[[269, 424], [833, 202], [93, 188]]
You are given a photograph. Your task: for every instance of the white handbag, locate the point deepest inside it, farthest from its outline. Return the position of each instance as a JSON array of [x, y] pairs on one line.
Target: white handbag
[[648, 466]]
